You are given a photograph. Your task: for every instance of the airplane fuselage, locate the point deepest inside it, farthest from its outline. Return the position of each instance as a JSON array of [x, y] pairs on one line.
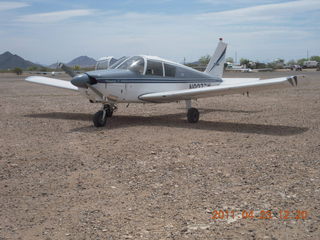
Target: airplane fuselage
[[126, 86]]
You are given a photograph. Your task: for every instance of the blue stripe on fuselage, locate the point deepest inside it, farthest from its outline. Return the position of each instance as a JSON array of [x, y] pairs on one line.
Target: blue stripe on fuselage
[[156, 80]]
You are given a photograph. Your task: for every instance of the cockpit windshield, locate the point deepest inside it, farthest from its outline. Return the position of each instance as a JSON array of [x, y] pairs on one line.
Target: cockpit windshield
[[135, 64], [117, 63]]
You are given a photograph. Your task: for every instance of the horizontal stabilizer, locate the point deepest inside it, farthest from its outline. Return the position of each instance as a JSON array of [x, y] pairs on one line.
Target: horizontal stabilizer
[[52, 82]]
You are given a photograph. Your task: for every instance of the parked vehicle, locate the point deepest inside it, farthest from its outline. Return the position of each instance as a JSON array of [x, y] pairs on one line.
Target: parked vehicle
[[310, 64], [296, 68]]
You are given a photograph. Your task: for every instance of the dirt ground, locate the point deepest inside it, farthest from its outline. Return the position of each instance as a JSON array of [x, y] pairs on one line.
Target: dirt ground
[[151, 175]]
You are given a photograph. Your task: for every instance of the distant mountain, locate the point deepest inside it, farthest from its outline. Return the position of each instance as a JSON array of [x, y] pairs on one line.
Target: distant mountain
[[82, 61], [53, 66], [10, 61]]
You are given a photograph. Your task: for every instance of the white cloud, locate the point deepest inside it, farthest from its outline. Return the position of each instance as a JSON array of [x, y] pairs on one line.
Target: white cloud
[[251, 31], [265, 13], [4, 6], [52, 17]]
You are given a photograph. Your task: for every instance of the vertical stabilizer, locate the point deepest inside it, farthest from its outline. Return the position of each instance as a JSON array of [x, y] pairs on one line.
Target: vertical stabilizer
[[216, 64]]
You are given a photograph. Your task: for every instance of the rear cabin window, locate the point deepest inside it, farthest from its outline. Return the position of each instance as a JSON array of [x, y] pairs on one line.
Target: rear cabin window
[[170, 71], [181, 72], [154, 68], [186, 73]]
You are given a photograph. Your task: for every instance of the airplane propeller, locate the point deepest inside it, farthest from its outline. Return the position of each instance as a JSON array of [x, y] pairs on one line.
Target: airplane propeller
[[67, 69], [82, 80]]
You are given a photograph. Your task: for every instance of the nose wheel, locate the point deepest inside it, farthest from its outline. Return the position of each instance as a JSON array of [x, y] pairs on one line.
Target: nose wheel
[[100, 118]]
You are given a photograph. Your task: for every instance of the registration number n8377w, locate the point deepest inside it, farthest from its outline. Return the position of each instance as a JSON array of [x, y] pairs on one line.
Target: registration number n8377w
[[199, 85]]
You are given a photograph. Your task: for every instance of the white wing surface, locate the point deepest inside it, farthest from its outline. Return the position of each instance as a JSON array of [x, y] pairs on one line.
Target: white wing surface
[[52, 82], [232, 86]]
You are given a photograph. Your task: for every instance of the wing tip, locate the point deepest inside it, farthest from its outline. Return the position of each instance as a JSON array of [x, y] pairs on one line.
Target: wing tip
[[293, 80]]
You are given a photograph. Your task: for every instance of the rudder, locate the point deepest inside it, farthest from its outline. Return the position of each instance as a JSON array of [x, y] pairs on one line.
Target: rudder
[[216, 64]]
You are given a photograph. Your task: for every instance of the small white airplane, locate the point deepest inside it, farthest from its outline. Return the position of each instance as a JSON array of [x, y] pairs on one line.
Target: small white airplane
[[238, 68], [148, 79]]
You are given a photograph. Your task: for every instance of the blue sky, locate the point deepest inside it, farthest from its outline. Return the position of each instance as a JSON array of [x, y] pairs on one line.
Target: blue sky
[[45, 31]]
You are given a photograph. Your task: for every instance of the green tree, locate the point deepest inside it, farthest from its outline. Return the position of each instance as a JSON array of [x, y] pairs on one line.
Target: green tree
[[76, 68], [32, 68], [301, 60], [315, 58], [291, 62], [260, 65], [244, 61], [44, 69], [229, 59], [17, 71], [276, 64], [204, 60]]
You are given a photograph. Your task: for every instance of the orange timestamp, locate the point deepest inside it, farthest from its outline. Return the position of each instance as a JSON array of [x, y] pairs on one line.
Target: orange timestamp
[[261, 214]]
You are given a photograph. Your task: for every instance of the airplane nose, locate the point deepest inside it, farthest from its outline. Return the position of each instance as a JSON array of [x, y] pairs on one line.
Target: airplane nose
[[81, 81]]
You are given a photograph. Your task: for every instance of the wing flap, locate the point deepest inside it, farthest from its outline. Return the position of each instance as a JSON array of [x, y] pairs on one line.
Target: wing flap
[[52, 82], [233, 87]]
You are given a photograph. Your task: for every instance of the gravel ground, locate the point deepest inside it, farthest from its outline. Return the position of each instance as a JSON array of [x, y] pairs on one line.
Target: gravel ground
[[151, 175]]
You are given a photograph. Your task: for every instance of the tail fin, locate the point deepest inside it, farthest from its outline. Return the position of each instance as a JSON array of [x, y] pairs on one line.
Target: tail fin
[[216, 64]]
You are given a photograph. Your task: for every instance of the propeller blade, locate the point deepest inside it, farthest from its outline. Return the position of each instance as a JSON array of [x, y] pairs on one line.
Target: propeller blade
[[67, 69]]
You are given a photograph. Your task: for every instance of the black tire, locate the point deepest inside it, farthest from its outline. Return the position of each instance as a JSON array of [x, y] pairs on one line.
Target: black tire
[[109, 112], [98, 120], [193, 115]]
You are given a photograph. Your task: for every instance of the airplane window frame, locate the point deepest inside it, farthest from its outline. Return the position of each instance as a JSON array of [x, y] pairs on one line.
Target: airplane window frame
[[118, 62], [171, 66], [128, 64], [156, 62]]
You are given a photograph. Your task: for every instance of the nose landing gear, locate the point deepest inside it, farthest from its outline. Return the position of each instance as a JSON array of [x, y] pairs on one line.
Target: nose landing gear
[[100, 118]]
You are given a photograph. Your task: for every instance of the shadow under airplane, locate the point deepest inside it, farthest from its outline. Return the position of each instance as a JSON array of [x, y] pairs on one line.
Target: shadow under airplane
[[174, 121]]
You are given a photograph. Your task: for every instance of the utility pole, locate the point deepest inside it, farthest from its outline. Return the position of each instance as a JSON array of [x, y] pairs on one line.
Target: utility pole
[[235, 57]]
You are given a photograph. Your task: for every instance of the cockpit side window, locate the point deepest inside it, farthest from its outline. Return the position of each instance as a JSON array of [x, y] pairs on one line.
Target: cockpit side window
[[137, 65], [170, 71], [154, 68]]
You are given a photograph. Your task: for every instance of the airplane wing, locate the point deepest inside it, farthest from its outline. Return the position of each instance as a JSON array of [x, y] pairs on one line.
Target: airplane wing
[[52, 82], [232, 86]]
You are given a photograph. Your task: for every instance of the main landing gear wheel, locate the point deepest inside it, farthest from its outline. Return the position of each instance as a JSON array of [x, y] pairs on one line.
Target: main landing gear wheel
[[100, 118], [193, 115]]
